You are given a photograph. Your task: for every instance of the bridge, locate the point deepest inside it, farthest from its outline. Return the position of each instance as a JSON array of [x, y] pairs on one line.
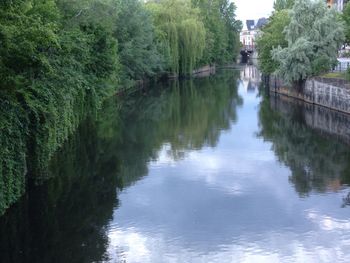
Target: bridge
[[246, 52]]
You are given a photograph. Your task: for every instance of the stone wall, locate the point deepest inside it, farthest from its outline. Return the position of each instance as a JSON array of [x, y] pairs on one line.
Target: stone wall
[[330, 93]]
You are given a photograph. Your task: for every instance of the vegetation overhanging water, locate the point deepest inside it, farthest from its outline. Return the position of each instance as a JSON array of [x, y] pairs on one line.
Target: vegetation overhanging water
[[60, 59]]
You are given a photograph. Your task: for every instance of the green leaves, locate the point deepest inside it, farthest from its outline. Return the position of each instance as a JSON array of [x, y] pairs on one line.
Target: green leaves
[[24, 38], [51, 77], [346, 19], [279, 5], [272, 36], [180, 29], [194, 33], [222, 31], [138, 51], [59, 59], [314, 35]]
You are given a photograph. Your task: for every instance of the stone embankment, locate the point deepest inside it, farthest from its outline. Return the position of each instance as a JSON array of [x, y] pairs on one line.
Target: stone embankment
[[331, 93], [327, 109]]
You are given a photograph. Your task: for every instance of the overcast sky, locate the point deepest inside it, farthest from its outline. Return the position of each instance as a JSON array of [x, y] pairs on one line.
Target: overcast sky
[[253, 9]]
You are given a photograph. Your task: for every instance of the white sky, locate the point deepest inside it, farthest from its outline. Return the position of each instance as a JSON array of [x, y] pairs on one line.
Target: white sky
[[253, 9]]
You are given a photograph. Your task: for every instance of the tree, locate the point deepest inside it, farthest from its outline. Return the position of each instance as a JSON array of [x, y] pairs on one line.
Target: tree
[[222, 30], [27, 32], [314, 35], [234, 27], [135, 33], [59, 60], [346, 18], [52, 74], [181, 33], [271, 37], [279, 5]]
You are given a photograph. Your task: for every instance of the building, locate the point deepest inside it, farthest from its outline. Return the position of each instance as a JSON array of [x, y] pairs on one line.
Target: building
[[247, 38], [337, 4], [250, 31], [261, 22]]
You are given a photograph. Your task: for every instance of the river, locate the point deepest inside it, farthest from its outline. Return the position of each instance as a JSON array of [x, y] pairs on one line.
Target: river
[[204, 170]]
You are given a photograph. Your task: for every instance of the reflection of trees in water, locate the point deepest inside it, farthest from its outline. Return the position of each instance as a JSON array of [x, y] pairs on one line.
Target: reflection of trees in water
[[318, 163], [189, 115], [64, 219]]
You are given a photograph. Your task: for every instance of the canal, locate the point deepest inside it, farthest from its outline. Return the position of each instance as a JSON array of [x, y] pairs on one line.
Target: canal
[[205, 170]]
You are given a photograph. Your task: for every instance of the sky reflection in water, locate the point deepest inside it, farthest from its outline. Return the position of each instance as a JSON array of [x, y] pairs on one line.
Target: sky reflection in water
[[205, 170], [234, 202]]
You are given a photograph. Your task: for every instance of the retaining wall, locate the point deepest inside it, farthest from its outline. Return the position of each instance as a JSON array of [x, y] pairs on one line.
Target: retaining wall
[[330, 93], [322, 119]]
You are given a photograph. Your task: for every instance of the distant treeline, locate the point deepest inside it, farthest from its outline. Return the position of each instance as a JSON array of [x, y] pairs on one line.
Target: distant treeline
[[59, 59]]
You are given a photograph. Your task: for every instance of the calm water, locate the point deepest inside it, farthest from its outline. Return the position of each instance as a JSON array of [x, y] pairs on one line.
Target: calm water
[[208, 170]]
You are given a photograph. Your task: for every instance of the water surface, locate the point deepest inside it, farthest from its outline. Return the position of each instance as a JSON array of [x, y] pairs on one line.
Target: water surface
[[208, 170]]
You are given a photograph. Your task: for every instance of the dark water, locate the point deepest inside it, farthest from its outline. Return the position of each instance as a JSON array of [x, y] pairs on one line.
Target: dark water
[[208, 170]]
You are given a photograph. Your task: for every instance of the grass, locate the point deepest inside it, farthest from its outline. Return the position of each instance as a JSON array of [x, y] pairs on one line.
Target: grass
[[335, 75]]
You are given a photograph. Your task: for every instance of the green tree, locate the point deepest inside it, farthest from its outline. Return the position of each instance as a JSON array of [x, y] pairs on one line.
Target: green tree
[[27, 34], [271, 37], [314, 35], [279, 5], [180, 32], [60, 59], [222, 38], [137, 49], [346, 18], [52, 74]]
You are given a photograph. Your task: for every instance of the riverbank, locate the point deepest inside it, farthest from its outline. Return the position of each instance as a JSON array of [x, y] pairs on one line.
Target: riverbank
[[327, 92]]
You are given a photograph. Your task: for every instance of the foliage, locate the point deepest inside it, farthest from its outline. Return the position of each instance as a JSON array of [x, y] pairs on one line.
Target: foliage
[[279, 5], [108, 153], [194, 33], [346, 19], [222, 38], [180, 32], [13, 129], [60, 59], [83, 180], [51, 77], [26, 35], [139, 56], [314, 35], [271, 37]]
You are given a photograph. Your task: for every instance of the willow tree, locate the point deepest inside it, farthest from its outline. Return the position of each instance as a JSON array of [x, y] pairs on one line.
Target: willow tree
[[180, 33], [314, 35]]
